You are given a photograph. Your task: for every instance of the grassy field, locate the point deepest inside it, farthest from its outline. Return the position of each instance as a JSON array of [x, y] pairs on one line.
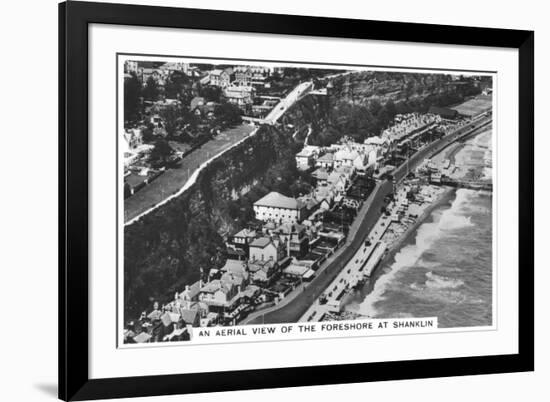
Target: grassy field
[[173, 179], [474, 106]]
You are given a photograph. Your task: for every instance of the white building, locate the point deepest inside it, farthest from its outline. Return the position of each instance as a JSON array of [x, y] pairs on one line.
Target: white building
[[278, 208], [240, 96], [306, 157], [220, 78]]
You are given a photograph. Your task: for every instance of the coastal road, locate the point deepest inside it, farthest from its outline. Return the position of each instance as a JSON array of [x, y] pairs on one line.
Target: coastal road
[[292, 307], [298, 302]]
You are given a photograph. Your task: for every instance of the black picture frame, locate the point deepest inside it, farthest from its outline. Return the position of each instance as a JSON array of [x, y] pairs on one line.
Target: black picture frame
[[74, 18]]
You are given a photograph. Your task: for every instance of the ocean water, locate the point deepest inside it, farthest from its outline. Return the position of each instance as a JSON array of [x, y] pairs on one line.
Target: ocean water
[[444, 267]]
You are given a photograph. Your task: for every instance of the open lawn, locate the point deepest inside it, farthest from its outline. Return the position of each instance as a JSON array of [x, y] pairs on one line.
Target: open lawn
[[174, 179], [474, 106]]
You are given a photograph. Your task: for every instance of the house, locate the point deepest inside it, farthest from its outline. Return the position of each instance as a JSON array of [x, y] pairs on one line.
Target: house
[[236, 268], [320, 175], [220, 78], [347, 157], [190, 293], [144, 73], [326, 161], [171, 66], [265, 249], [295, 270], [219, 294], [263, 272], [131, 66], [278, 208], [241, 96], [243, 238], [295, 238], [310, 203], [337, 182], [251, 75], [324, 193], [306, 157]]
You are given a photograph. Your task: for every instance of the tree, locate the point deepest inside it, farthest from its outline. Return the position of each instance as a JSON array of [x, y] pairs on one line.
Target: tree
[[175, 119], [132, 93], [151, 90], [211, 93], [229, 114], [177, 85], [161, 154]]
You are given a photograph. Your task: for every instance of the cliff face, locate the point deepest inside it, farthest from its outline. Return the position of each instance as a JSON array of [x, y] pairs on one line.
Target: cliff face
[[166, 249]]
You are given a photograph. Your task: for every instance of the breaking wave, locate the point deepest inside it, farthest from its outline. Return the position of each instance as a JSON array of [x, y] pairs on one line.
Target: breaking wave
[[435, 281], [410, 255]]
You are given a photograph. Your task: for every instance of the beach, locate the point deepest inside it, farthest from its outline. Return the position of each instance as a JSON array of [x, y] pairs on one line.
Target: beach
[[442, 264]]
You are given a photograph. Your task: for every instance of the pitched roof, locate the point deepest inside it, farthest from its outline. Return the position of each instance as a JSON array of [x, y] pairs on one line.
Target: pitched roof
[[277, 200], [346, 154], [189, 315], [328, 157], [246, 233], [142, 337], [320, 174], [154, 315], [235, 267], [260, 242], [166, 319]]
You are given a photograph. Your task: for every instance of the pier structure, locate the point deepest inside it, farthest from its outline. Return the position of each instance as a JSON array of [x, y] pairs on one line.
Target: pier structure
[[463, 183]]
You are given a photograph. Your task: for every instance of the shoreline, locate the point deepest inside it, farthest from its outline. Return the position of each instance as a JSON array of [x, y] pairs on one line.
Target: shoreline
[[408, 236], [398, 243]]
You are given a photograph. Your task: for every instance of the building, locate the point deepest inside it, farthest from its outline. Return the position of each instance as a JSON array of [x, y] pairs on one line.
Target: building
[[131, 66], [346, 157], [238, 271], [265, 249], [444, 112], [278, 208], [241, 96], [220, 294], [320, 175], [221, 78], [251, 75], [263, 272], [243, 238], [295, 237], [326, 161], [171, 66], [306, 157]]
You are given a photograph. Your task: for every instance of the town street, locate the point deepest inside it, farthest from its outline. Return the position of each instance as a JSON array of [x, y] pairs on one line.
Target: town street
[[297, 303]]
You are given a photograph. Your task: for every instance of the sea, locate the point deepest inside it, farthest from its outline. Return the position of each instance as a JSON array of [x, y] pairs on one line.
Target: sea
[[443, 267]]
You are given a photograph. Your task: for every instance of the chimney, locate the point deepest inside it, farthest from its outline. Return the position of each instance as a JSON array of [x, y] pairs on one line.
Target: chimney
[[288, 247]]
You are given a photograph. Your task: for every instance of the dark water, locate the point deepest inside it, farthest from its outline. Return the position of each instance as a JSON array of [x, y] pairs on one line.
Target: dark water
[[444, 267]]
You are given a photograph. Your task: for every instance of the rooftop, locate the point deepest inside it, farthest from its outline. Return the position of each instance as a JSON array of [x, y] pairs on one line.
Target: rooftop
[[261, 242], [277, 200]]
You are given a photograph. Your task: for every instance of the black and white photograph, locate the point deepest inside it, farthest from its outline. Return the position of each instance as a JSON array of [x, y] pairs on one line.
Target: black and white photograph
[[332, 197]]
